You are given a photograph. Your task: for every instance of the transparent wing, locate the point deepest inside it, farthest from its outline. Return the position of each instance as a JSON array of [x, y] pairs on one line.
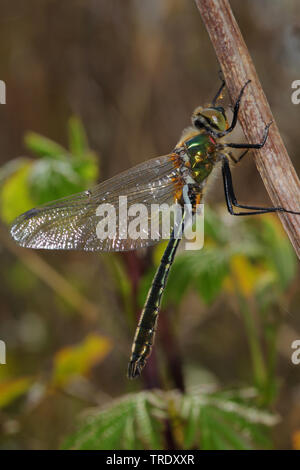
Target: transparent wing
[[72, 223]]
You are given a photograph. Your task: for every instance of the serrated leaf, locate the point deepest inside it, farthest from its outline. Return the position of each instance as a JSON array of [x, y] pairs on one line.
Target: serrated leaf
[[147, 426], [127, 424], [103, 430], [192, 425], [223, 428], [210, 272], [211, 421], [224, 423]]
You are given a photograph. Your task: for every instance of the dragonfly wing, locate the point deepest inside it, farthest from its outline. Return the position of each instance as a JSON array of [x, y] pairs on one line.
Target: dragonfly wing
[[71, 223]]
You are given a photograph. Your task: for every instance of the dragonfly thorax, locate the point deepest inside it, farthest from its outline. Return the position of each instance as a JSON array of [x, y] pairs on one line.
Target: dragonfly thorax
[[201, 150]]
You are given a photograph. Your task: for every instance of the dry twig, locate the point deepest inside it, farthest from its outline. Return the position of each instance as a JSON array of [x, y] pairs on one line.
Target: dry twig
[[273, 162]]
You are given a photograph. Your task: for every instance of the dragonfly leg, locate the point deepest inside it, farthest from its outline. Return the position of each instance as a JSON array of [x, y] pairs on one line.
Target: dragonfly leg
[[216, 134], [251, 146], [201, 122], [237, 160], [219, 92], [232, 201], [235, 112]]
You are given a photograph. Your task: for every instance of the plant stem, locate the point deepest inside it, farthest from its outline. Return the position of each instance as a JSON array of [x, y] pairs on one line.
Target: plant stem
[[257, 357], [272, 161]]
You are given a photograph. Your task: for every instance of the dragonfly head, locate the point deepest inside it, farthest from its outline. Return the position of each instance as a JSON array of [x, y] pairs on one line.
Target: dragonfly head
[[213, 117]]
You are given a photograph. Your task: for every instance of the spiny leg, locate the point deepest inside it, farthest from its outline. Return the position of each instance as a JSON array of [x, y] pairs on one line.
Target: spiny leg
[[235, 112], [260, 145], [219, 92], [238, 159], [251, 146], [232, 201]]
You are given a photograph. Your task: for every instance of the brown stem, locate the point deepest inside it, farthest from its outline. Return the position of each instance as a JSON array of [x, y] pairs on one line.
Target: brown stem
[[272, 161]]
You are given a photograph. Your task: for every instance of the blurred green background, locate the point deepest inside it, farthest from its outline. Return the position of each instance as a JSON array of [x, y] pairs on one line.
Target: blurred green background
[[94, 87]]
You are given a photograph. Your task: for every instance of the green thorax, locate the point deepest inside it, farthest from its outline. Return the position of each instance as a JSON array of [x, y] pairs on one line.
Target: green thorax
[[201, 150]]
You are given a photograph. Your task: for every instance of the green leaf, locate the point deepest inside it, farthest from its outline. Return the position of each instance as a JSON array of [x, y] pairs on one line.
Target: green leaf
[[11, 390], [144, 286], [279, 251], [26, 183], [224, 422], [209, 267], [77, 137], [192, 430], [223, 431], [127, 424], [72, 361], [204, 270], [214, 227], [181, 278], [148, 428], [15, 196], [52, 179], [11, 167], [87, 168], [209, 283], [210, 421], [43, 147]]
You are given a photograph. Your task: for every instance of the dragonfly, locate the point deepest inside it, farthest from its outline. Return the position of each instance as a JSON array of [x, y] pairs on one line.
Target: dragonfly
[[177, 178]]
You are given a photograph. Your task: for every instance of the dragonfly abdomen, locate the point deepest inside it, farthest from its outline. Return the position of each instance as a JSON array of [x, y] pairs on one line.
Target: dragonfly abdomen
[[145, 332]]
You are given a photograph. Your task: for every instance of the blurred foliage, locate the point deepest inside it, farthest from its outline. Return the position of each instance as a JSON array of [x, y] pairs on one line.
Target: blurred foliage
[[70, 363], [197, 420], [73, 361], [242, 258], [11, 390], [252, 260], [296, 440], [134, 71], [58, 172]]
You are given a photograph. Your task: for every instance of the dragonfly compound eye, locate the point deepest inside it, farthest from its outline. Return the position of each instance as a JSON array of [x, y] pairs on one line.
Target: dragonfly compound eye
[[212, 117]]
